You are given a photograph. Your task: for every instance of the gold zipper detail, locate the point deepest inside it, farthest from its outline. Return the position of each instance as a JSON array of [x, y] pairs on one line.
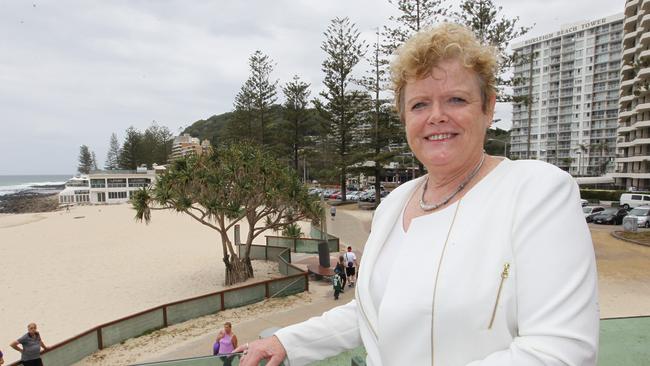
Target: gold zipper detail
[[504, 275]]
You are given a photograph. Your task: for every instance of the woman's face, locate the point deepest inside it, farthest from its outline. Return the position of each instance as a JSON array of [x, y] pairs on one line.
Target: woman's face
[[444, 120], [31, 329], [227, 328]]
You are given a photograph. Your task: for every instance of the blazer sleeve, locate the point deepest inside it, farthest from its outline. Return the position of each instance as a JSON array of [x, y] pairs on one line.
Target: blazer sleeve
[[556, 281], [336, 331]]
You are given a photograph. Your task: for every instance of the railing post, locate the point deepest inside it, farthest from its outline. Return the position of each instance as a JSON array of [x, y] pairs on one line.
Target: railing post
[[266, 288], [165, 316], [223, 306], [100, 341]]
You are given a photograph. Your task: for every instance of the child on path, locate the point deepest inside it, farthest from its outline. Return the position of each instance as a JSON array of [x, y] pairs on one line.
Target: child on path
[[336, 282]]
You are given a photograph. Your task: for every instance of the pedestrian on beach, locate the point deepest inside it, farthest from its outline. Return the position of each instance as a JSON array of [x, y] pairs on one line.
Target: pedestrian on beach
[[227, 341], [31, 342], [500, 262], [340, 270], [333, 212], [2, 360], [350, 265]]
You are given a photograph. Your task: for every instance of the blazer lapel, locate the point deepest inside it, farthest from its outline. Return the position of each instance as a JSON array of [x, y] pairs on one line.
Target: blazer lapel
[[391, 210]]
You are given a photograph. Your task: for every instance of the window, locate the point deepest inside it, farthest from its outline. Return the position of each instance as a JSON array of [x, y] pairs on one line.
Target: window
[[116, 195]]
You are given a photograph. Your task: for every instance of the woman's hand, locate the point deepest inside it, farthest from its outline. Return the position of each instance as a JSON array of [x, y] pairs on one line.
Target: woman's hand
[[269, 349]]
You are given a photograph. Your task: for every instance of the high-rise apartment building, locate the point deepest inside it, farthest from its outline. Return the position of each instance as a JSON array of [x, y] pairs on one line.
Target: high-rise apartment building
[[633, 144], [566, 95]]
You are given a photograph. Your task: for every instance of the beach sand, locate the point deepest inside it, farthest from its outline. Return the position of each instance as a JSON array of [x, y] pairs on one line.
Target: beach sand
[[69, 271]]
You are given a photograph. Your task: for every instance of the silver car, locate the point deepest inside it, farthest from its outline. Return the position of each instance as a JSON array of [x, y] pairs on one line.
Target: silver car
[[642, 215]]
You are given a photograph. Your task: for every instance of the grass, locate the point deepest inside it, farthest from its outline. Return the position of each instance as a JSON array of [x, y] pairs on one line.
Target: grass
[[640, 236]]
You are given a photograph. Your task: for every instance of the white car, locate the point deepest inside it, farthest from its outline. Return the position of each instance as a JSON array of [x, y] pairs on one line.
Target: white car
[[590, 211], [642, 216]]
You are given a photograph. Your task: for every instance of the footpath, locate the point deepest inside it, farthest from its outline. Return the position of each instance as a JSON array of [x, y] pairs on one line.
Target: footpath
[[352, 228]]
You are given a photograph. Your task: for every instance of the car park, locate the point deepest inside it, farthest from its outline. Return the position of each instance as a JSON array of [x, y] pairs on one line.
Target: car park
[[611, 215], [642, 216]]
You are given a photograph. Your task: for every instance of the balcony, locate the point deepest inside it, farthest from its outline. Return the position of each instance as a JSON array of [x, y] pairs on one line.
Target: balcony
[[645, 6], [642, 108], [630, 23], [645, 22], [628, 54], [630, 7], [626, 99], [645, 38]]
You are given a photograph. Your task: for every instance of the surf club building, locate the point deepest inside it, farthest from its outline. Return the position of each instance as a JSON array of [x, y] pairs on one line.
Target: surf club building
[[107, 186]]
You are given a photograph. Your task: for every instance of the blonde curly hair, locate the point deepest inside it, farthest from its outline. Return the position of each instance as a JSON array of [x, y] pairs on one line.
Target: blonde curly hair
[[447, 41]]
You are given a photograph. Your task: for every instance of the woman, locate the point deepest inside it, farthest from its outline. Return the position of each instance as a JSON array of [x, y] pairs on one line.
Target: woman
[[227, 342], [503, 261], [31, 342]]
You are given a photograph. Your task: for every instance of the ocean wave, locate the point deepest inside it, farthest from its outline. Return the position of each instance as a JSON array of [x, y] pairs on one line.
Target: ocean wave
[[44, 187]]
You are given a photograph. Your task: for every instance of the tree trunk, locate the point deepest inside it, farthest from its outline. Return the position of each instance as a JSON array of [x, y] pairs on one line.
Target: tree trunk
[[237, 270]]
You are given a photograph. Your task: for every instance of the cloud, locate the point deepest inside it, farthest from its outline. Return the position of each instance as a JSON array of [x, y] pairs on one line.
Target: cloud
[[72, 71]]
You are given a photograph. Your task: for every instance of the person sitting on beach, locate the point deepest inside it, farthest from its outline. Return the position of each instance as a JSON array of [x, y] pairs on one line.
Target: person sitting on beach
[[30, 353], [351, 265], [227, 341], [340, 270], [500, 261]]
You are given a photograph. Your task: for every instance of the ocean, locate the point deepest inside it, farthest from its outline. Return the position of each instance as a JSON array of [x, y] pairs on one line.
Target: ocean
[[17, 183]]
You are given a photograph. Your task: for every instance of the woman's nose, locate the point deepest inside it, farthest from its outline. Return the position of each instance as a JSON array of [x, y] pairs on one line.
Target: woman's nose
[[437, 114]]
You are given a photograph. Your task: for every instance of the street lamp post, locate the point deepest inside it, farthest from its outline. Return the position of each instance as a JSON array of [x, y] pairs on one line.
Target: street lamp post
[[579, 161]]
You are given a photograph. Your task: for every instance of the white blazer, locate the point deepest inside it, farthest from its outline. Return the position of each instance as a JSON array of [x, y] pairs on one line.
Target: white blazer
[[514, 284]]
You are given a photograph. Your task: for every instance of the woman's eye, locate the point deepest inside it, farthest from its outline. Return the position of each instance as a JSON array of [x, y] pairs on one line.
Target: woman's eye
[[457, 100], [418, 105]]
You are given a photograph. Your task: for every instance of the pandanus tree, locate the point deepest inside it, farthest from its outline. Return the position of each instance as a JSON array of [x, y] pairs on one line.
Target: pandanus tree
[[219, 189]]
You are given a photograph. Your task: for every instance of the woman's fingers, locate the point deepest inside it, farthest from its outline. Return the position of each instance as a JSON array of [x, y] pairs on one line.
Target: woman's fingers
[[269, 349]]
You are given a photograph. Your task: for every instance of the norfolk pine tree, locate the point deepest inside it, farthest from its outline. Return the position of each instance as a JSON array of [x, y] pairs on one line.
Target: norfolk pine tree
[[385, 123], [85, 160], [231, 185], [342, 108], [113, 155], [296, 123]]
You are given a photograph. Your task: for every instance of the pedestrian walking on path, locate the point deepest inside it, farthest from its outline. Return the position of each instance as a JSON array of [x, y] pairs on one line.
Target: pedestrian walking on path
[[351, 265], [333, 212], [227, 342]]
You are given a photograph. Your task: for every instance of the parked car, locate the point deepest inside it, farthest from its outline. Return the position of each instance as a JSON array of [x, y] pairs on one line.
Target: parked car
[[611, 215], [642, 216], [352, 196], [590, 211], [583, 202], [631, 200]]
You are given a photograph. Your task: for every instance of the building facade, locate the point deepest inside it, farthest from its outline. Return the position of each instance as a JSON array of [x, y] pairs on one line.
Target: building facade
[[633, 144], [107, 186], [566, 92], [185, 144]]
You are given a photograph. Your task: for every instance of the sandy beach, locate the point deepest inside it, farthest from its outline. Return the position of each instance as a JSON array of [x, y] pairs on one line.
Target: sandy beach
[[69, 271]]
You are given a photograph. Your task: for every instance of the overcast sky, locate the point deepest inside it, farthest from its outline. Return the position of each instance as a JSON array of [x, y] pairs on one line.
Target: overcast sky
[[73, 72]]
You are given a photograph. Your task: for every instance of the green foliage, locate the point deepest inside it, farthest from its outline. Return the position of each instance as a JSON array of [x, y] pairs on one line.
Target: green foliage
[[154, 145], [341, 108], [601, 194], [292, 231], [414, 15], [113, 155], [496, 141], [491, 27], [296, 124], [85, 160], [238, 183], [254, 100]]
